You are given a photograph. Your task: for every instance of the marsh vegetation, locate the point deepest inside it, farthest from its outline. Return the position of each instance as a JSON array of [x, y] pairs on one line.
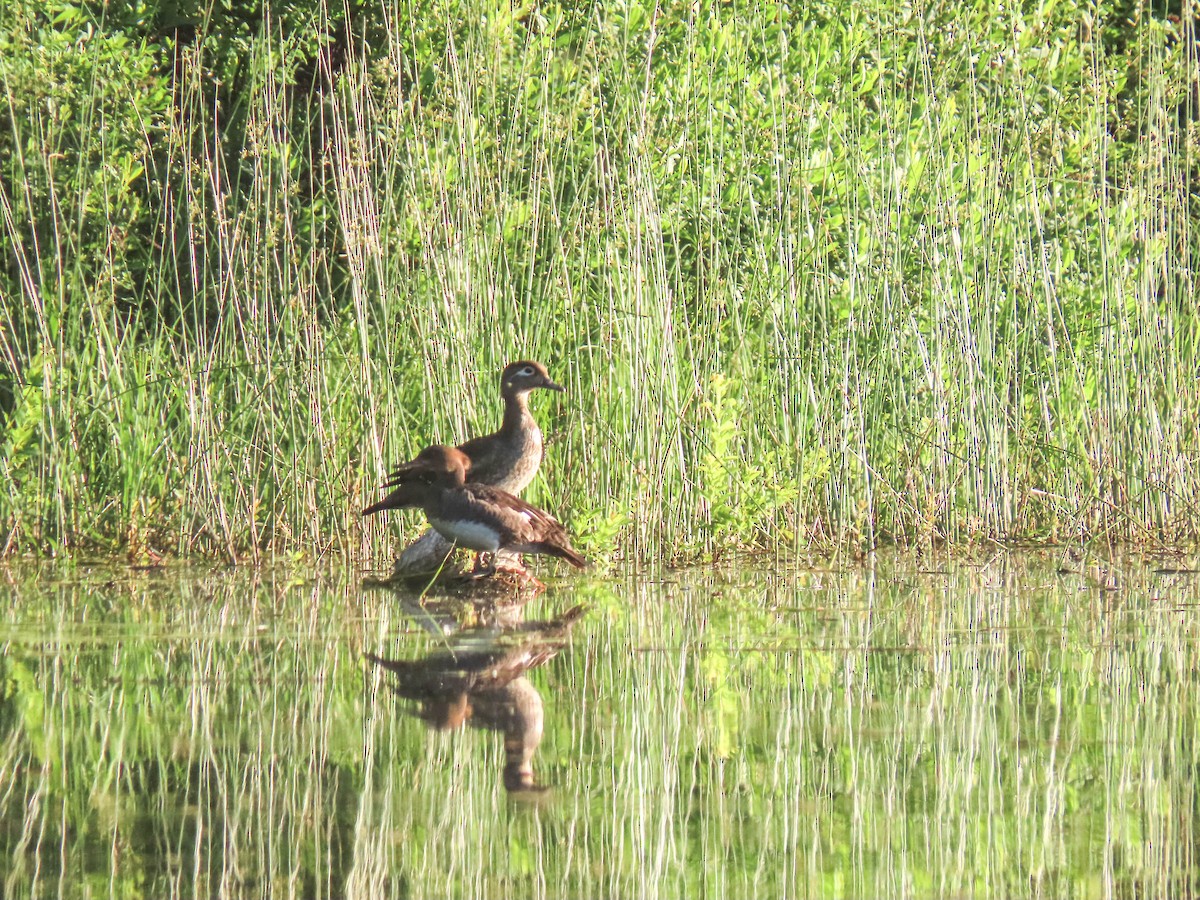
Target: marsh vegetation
[[810, 272]]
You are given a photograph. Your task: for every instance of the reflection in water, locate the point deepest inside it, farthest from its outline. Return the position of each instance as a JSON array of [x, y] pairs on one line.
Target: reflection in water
[[917, 728], [479, 679]]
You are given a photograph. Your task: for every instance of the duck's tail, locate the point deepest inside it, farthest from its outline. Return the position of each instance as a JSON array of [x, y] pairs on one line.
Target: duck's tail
[[563, 551]]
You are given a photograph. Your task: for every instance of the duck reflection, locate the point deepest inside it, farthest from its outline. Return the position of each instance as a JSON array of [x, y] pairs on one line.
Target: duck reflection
[[479, 679]]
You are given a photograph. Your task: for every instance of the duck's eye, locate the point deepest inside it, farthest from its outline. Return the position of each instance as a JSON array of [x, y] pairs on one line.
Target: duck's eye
[[526, 371]]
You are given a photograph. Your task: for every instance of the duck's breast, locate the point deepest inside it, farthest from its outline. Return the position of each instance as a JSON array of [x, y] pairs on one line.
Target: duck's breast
[[521, 464], [473, 535]]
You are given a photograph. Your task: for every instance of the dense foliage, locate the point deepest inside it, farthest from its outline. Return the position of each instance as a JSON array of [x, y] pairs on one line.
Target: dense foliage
[[811, 272]]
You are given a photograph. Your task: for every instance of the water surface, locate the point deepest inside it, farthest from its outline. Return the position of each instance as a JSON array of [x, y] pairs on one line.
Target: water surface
[[907, 728]]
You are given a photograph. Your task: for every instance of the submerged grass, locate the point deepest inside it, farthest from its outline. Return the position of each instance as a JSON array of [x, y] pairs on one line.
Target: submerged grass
[[809, 274]]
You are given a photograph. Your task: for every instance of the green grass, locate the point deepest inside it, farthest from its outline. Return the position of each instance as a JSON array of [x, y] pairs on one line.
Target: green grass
[[809, 274]]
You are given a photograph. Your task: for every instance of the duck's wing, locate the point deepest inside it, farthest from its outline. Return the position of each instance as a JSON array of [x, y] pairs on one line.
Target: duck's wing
[[523, 516], [522, 526]]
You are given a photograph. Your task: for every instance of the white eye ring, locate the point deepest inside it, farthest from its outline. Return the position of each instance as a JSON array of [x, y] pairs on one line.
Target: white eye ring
[[526, 371]]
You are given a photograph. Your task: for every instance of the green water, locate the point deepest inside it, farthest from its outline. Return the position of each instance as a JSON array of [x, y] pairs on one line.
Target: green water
[[915, 728]]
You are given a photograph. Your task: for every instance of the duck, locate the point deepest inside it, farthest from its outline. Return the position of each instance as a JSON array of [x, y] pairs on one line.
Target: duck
[[508, 458], [479, 517]]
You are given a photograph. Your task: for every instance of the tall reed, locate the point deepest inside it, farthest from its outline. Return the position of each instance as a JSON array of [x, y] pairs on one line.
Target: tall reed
[[919, 273]]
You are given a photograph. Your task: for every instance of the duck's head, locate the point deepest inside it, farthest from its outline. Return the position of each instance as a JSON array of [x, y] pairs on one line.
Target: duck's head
[[419, 482], [524, 376], [439, 466]]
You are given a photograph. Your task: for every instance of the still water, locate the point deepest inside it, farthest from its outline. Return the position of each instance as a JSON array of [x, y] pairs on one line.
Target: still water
[[985, 727]]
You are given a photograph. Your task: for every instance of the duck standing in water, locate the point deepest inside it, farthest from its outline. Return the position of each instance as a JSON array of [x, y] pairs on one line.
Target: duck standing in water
[[476, 516], [506, 459]]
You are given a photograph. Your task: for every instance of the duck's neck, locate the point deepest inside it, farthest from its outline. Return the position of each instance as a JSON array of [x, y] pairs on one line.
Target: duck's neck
[[516, 412]]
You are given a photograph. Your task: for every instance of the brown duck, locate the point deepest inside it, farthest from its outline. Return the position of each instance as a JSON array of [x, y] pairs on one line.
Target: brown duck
[[477, 516], [509, 458]]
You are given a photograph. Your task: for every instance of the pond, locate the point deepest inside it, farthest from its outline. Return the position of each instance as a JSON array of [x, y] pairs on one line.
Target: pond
[[988, 726]]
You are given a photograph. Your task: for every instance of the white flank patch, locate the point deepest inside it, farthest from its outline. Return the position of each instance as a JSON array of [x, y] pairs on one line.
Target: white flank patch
[[472, 535]]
